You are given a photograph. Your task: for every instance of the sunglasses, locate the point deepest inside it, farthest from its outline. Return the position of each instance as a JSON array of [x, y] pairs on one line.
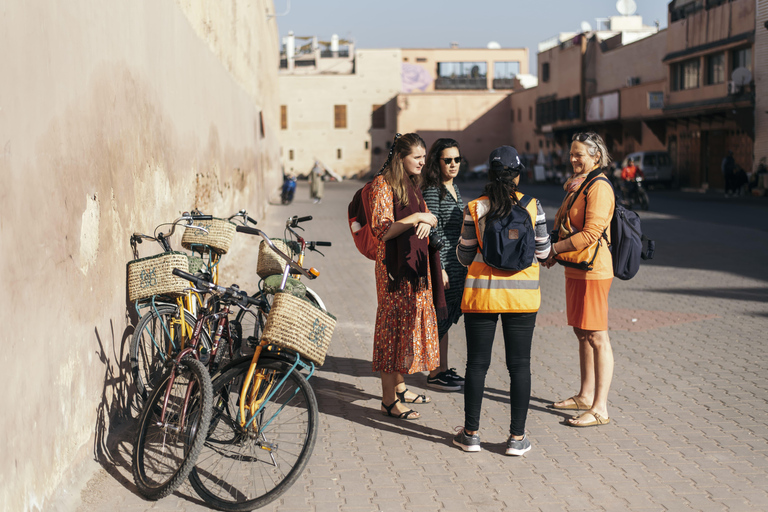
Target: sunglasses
[[456, 160], [584, 136]]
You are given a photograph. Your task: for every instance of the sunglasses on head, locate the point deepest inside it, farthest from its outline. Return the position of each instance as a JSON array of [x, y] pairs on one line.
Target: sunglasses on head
[[456, 160], [584, 136]]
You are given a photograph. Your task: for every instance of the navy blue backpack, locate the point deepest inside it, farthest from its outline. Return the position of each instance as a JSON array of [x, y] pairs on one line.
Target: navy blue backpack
[[509, 243], [627, 240]]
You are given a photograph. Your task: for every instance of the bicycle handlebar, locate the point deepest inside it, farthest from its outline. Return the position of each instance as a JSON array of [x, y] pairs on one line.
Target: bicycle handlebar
[[246, 218], [297, 269], [322, 244], [295, 220], [188, 217], [233, 292]]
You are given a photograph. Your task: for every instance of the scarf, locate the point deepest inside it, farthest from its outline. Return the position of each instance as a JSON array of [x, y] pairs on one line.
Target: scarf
[[571, 187], [407, 256]]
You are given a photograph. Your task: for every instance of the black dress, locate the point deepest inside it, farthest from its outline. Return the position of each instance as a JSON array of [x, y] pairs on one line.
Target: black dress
[[449, 213]]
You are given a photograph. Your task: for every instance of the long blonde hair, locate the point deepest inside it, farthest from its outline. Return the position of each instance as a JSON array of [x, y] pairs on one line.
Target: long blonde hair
[[395, 173]]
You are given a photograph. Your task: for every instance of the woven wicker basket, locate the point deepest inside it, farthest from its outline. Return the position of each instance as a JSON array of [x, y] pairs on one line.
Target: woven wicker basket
[[218, 238], [300, 326], [270, 262], [153, 276]]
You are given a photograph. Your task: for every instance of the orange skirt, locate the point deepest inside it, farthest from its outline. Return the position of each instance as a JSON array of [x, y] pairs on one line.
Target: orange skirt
[[587, 303]]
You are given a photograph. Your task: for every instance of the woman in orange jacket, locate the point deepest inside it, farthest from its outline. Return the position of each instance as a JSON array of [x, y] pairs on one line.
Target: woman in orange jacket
[[586, 291]]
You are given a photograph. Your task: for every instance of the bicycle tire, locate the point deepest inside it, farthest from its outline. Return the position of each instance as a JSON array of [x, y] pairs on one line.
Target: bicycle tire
[[241, 469], [164, 453], [146, 358]]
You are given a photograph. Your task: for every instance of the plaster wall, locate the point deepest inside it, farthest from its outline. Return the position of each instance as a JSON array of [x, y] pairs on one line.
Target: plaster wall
[[113, 118], [523, 129], [479, 121], [641, 59], [309, 101]]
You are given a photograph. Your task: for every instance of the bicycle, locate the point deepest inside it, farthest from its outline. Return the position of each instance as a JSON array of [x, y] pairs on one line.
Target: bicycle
[[161, 332], [250, 323], [175, 419], [264, 421]]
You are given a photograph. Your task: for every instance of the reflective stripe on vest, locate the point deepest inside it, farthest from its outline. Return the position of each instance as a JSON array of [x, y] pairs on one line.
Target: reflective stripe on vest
[[489, 290]]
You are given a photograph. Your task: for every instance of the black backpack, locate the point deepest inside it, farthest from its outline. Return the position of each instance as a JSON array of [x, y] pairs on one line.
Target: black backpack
[[509, 243], [627, 240]]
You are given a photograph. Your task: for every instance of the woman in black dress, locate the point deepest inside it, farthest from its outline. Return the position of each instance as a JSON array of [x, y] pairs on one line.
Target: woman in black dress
[[444, 200]]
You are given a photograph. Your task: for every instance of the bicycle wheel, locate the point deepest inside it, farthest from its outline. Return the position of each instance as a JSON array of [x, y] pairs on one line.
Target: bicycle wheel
[[243, 469], [167, 447], [150, 342], [248, 325]]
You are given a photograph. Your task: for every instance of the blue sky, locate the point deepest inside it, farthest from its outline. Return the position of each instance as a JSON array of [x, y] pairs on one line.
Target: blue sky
[[437, 23]]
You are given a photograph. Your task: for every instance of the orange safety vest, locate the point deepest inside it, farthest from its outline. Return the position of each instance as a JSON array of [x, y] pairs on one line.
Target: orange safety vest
[[489, 290]]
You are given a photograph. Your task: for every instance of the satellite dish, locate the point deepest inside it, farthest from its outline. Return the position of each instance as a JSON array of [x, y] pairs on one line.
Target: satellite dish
[[586, 27], [741, 76], [493, 45], [626, 7]]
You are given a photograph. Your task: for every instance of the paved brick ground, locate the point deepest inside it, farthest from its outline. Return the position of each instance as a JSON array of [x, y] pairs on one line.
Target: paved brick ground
[[688, 404]]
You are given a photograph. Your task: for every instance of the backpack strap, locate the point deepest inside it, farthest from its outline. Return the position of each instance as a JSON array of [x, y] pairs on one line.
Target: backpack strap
[[524, 201], [592, 177]]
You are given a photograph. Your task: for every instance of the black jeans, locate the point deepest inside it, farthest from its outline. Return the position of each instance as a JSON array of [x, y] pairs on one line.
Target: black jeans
[[518, 336]]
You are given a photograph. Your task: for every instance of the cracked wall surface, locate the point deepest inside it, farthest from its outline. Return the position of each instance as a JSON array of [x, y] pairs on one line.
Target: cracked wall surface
[[114, 118]]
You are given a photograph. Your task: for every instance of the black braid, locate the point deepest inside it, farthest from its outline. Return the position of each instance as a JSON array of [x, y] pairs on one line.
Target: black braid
[[391, 152]]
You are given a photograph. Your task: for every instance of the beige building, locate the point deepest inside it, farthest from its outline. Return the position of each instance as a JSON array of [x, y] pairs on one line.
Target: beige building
[[343, 106], [115, 117], [710, 105], [338, 108]]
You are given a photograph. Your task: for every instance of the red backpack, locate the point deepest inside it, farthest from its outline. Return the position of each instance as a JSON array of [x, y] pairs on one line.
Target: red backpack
[[359, 213]]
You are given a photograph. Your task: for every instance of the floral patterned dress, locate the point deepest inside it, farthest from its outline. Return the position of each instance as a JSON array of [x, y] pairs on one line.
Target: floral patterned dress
[[405, 337]]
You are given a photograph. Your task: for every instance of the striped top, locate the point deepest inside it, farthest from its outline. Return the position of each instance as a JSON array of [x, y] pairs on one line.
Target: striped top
[[468, 245]]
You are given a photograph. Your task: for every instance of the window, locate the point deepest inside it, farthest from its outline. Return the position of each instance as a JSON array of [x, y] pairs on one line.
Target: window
[[512, 117], [366, 144], [520, 114], [741, 58], [283, 117], [379, 116], [261, 123], [504, 74], [530, 113], [421, 59], [716, 69], [685, 75], [290, 154], [339, 116], [461, 75], [338, 154], [545, 72], [527, 146]]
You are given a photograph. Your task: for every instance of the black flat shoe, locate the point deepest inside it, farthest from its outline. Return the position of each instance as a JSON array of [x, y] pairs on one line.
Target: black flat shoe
[[418, 399], [405, 415]]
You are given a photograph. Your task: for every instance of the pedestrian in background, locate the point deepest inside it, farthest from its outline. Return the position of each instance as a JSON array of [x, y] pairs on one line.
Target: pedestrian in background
[[316, 186], [408, 281], [728, 167], [444, 200], [586, 291], [490, 293]]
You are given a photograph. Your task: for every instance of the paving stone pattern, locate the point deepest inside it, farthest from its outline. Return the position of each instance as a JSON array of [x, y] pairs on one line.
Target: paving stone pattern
[[689, 417]]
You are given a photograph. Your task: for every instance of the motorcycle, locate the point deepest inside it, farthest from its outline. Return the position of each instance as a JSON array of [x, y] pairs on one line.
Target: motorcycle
[[289, 188], [635, 194]]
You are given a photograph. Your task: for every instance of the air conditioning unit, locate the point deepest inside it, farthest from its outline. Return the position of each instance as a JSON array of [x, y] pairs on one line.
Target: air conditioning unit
[[633, 80], [733, 88]]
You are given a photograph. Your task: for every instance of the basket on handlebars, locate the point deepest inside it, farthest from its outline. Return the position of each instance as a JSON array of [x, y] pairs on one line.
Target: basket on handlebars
[[270, 262], [298, 325], [153, 276], [217, 239]]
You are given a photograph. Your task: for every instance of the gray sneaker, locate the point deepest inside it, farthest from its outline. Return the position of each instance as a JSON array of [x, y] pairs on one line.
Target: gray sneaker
[[515, 447], [468, 443]]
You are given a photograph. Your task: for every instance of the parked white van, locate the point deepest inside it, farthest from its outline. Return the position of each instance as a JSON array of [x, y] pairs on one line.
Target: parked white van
[[656, 166]]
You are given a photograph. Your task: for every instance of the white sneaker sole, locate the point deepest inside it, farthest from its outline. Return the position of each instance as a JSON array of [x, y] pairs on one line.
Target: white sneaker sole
[[443, 387], [517, 453], [473, 448]]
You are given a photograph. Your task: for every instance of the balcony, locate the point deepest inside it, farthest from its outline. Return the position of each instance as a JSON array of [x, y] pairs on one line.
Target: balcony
[[461, 83]]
